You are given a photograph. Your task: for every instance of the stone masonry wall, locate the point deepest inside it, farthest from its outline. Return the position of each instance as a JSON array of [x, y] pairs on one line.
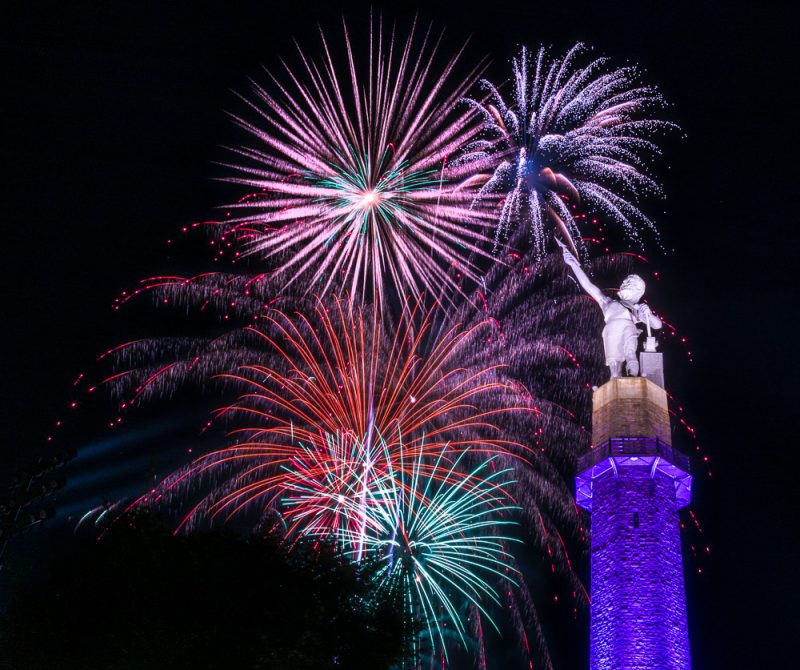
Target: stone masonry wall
[[638, 603]]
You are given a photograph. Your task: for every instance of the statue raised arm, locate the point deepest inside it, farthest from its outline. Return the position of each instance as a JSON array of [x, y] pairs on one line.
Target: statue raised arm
[[620, 334], [582, 277]]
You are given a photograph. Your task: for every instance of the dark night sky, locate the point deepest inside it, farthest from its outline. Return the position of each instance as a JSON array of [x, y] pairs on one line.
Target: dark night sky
[[111, 117]]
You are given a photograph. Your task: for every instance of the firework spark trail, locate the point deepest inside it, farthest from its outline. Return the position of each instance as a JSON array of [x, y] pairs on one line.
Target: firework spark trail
[[351, 173], [570, 136], [325, 491], [337, 372]]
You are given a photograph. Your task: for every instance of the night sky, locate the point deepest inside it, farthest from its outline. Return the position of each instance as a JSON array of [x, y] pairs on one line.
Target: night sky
[[112, 117]]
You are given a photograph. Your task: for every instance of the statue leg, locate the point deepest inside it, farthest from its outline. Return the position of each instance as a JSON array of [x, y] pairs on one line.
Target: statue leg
[[631, 359], [614, 345]]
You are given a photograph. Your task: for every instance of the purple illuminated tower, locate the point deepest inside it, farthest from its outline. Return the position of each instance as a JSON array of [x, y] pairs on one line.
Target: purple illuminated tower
[[633, 482]]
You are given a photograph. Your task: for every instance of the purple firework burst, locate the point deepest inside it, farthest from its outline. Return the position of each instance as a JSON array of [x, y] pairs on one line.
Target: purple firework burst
[[570, 136]]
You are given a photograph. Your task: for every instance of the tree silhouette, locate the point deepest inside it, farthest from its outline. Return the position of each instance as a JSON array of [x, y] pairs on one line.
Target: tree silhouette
[[141, 598]]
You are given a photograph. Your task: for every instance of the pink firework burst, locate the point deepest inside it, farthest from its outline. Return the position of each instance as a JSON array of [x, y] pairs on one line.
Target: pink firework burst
[[351, 178]]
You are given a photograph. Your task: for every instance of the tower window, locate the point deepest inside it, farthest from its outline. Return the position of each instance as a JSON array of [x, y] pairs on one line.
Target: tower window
[[636, 519]]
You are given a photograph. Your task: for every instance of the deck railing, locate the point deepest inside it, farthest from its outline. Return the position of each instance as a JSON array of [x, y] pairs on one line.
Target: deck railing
[[634, 446]]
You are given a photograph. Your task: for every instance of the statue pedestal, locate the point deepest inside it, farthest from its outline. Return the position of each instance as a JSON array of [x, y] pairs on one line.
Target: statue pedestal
[[630, 407], [651, 365]]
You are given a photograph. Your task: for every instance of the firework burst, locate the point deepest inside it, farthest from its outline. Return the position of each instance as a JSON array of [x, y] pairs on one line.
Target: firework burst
[[439, 533], [350, 176], [325, 490], [571, 136], [337, 382]]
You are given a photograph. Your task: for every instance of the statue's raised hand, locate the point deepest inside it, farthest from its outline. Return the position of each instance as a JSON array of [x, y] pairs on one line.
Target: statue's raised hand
[[569, 258], [586, 284]]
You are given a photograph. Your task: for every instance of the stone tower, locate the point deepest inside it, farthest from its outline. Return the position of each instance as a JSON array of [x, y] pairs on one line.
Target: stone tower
[[633, 482]]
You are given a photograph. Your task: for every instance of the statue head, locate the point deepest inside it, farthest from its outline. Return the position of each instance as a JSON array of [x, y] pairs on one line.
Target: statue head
[[631, 289]]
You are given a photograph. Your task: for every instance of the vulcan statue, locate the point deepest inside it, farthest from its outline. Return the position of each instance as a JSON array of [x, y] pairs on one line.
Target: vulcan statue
[[620, 334]]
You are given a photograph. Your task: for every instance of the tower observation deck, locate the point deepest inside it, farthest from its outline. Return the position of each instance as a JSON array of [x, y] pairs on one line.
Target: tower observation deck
[[633, 482]]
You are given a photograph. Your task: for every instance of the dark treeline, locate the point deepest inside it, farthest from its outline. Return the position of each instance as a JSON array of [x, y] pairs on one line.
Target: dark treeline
[[143, 598]]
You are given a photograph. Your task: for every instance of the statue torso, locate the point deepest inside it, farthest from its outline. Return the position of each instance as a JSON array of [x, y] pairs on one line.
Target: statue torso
[[614, 310]]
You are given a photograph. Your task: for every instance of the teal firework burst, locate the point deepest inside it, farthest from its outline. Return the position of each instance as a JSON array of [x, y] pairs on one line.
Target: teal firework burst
[[436, 529], [364, 204], [442, 541]]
